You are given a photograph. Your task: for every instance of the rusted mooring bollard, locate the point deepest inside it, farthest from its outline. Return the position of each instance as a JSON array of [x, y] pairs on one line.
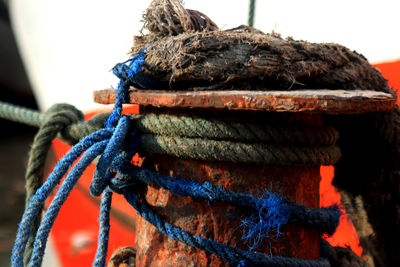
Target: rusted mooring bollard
[[298, 113]]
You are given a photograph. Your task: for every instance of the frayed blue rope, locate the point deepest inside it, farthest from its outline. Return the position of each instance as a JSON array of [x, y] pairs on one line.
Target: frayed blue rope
[[272, 213], [325, 220], [229, 254]]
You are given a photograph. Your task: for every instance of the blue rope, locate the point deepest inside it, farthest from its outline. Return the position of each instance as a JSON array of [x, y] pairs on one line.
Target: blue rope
[[272, 213], [105, 142], [127, 77], [116, 144], [62, 194], [33, 210], [325, 220], [103, 174], [230, 255], [105, 207]]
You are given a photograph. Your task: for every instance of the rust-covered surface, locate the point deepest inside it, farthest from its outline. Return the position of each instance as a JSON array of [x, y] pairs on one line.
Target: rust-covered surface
[[318, 101], [221, 222]]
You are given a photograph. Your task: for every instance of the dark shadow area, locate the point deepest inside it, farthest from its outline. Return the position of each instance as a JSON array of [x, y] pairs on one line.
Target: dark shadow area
[[15, 138]]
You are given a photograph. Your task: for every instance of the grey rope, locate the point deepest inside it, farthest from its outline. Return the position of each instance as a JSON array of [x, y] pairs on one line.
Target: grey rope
[[70, 134], [18, 114], [200, 138], [252, 8], [206, 149], [57, 118], [184, 126]]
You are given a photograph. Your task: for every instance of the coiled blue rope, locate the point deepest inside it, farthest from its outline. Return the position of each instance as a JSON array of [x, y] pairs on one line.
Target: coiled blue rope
[[116, 144]]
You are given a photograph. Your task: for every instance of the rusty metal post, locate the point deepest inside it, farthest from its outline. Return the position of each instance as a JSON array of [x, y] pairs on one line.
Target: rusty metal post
[[219, 221]]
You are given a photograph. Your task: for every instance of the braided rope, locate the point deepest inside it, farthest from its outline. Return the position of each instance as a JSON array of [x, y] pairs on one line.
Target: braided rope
[[185, 126], [204, 149], [55, 120], [71, 133], [163, 129], [61, 196], [325, 220], [32, 211], [230, 255], [105, 207], [18, 114]]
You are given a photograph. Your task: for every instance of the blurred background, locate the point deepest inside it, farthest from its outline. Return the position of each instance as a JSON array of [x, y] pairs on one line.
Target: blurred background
[[14, 138], [60, 51]]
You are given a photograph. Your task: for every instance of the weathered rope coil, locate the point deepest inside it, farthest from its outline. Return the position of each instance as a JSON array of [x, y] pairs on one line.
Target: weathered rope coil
[[216, 140], [185, 126], [181, 56], [210, 139], [198, 148]]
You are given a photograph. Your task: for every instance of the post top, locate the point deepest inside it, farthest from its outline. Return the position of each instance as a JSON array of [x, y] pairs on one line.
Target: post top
[[312, 101]]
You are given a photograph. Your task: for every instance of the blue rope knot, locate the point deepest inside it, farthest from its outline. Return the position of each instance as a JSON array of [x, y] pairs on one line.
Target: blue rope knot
[[116, 144], [128, 75], [135, 65], [103, 173], [273, 212]]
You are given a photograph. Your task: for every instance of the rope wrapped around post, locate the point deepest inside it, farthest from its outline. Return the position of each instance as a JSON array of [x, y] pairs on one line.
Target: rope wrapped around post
[[117, 143]]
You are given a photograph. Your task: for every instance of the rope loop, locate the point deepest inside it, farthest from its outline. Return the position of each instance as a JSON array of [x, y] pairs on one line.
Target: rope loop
[[68, 122], [61, 115]]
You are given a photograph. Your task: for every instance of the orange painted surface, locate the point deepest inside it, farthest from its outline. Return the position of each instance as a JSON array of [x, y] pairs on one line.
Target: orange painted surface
[[391, 71], [75, 231], [345, 235]]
